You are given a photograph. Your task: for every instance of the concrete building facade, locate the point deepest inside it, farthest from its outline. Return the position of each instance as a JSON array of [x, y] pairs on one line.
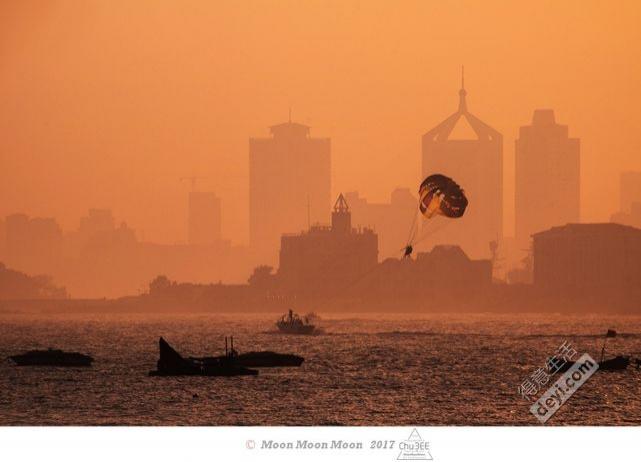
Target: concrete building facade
[[327, 258], [547, 173], [289, 186], [588, 259]]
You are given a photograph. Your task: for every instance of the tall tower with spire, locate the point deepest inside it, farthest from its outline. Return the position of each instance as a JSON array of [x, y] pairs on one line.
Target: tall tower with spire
[[471, 152]]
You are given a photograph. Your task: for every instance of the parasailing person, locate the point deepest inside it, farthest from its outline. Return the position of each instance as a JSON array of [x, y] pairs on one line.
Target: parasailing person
[[438, 195]]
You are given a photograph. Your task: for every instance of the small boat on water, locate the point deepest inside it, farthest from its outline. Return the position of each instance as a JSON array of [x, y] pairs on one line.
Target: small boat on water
[[617, 363], [291, 323], [52, 357], [171, 363]]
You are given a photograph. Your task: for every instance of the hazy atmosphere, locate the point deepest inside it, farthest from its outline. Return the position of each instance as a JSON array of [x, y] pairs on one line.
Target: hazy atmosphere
[[109, 104], [321, 213]]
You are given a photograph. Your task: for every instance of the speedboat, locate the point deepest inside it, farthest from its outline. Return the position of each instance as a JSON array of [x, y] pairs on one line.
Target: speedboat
[[52, 357], [291, 323]]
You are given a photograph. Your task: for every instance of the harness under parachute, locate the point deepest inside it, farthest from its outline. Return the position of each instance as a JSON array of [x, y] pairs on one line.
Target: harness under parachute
[[438, 195]]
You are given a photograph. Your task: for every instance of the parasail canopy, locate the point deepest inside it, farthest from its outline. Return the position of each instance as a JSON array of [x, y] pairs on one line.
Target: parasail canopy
[[441, 195]]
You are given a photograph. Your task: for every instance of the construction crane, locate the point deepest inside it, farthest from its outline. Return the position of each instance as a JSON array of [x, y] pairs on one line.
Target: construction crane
[[193, 180]]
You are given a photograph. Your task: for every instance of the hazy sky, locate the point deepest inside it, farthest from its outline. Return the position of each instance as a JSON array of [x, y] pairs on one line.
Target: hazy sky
[[108, 103]]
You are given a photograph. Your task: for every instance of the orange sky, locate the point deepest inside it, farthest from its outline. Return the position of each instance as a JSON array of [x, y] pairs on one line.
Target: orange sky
[[109, 103]]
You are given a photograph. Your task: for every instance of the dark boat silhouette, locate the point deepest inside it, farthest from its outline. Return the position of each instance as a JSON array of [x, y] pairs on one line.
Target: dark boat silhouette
[[291, 323], [618, 363], [259, 359], [52, 357], [171, 363]]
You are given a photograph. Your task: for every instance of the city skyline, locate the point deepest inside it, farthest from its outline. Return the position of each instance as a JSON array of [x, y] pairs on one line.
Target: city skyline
[[304, 223], [455, 127], [324, 213], [279, 153], [291, 146], [78, 122], [453, 130]]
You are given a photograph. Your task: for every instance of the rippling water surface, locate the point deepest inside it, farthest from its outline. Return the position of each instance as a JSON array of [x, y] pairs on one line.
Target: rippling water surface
[[370, 370]]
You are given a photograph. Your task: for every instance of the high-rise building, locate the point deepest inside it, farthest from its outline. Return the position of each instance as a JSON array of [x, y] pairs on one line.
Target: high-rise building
[[289, 186], [630, 190], [33, 245], [474, 159], [547, 165], [204, 218]]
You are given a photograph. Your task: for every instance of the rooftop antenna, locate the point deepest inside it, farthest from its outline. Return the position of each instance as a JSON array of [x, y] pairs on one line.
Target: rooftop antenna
[[290, 114], [309, 223], [462, 105]]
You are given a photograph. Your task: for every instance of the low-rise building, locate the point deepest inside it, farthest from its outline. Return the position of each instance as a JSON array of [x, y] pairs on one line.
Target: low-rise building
[[446, 273], [589, 259], [327, 258]]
